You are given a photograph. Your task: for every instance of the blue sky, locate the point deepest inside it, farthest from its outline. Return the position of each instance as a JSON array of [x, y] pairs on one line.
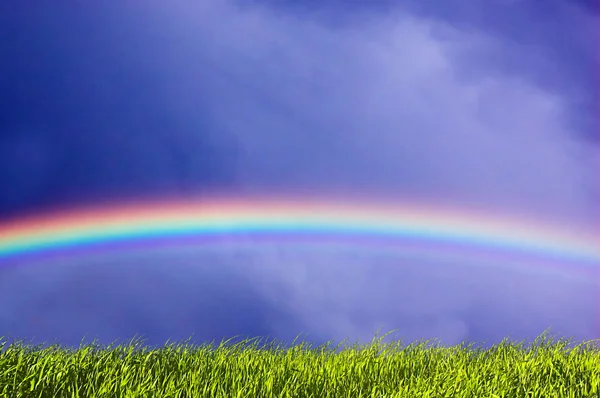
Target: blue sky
[[467, 104]]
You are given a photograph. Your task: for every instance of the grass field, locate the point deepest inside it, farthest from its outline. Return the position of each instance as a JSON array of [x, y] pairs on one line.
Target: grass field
[[547, 367]]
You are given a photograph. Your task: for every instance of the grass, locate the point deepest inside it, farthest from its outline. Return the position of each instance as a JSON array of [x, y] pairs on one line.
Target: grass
[[545, 368]]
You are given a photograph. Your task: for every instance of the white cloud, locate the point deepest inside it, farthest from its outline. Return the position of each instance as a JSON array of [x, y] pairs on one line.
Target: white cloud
[[394, 106]]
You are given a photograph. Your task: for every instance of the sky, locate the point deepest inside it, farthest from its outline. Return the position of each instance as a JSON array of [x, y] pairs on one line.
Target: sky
[[457, 103]]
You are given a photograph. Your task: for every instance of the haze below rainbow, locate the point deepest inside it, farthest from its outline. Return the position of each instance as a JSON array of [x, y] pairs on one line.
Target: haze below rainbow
[[320, 222]]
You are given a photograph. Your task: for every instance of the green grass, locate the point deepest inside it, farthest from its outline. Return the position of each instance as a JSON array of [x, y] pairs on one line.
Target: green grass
[[545, 368]]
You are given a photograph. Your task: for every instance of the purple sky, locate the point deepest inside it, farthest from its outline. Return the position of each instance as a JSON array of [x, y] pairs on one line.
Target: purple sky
[[491, 107]]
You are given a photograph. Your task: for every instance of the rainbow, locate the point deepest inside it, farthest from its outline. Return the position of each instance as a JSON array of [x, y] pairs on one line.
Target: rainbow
[[206, 222]]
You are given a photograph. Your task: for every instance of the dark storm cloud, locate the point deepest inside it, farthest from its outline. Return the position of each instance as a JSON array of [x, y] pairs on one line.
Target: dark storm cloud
[[417, 102], [83, 113]]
